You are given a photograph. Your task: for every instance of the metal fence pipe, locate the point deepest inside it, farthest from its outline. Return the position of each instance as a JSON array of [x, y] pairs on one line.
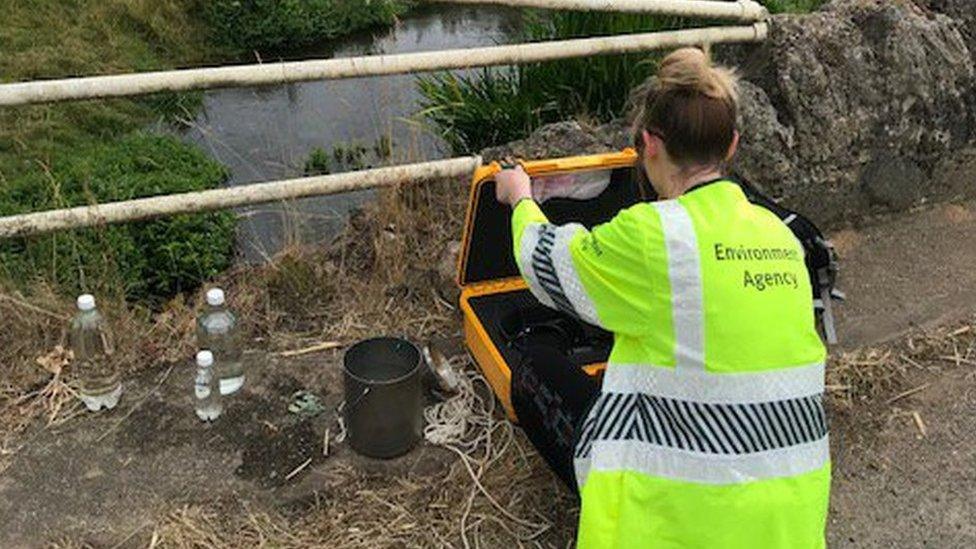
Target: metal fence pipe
[[742, 10], [232, 197], [94, 87]]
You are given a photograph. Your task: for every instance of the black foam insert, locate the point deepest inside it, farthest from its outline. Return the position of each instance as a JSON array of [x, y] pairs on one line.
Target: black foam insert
[[489, 255], [505, 315]]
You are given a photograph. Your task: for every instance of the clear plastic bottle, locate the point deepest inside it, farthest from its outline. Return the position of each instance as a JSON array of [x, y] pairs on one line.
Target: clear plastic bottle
[[100, 385], [217, 331], [206, 388]]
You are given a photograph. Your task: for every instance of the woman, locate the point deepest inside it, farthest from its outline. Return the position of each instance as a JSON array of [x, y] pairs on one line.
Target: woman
[[708, 429]]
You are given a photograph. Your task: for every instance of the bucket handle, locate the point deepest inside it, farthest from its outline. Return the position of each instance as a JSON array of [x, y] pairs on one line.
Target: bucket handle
[[342, 407]]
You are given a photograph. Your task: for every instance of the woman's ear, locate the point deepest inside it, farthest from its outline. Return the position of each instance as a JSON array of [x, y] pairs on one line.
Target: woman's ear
[[650, 145], [734, 147]]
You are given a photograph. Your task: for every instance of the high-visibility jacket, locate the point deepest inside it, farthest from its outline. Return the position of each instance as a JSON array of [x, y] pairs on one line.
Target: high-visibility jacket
[[709, 431]]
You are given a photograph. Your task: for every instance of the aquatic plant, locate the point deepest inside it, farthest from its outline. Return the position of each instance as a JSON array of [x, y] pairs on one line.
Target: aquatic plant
[[498, 105]]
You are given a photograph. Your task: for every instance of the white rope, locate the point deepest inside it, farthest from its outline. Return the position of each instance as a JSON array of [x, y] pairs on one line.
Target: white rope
[[340, 423], [455, 421], [465, 424]]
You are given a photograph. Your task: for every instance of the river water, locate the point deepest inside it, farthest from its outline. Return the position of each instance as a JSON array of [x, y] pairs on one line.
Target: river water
[[265, 134]]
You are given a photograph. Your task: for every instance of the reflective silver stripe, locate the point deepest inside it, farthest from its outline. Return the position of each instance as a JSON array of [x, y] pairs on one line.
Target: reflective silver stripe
[[530, 239], [582, 467], [682, 465], [684, 273], [569, 279], [702, 386], [547, 264]]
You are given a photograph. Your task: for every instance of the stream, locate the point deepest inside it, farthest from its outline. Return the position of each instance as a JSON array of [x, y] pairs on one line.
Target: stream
[[264, 134]]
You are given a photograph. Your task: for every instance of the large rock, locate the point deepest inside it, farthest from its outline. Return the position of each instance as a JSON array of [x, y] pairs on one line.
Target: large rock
[[963, 11], [865, 107], [859, 108]]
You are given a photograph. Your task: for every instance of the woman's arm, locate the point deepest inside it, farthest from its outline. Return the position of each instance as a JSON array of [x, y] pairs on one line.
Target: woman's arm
[[599, 276]]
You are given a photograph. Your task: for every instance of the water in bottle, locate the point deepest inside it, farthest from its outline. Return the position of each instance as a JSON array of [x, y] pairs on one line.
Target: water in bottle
[[217, 331], [100, 385], [206, 388]]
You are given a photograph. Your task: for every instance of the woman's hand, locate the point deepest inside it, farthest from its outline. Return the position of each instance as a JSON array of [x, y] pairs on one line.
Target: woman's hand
[[512, 185]]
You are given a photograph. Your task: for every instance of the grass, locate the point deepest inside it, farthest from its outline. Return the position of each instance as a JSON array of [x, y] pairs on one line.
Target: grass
[[499, 105], [91, 151], [146, 260], [53, 38]]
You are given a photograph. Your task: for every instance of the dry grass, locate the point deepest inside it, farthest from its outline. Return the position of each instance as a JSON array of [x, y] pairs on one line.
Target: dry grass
[[358, 510], [378, 277], [862, 375], [384, 512]]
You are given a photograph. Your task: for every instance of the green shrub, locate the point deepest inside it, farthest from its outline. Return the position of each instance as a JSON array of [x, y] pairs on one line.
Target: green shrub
[[152, 259], [283, 25], [499, 105]]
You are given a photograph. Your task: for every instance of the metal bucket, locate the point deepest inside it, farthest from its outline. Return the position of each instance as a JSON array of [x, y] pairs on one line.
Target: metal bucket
[[384, 396]]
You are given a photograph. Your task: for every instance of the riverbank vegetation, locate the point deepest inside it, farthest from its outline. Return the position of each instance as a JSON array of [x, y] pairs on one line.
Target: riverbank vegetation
[[144, 260], [495, 106], [95, 151]]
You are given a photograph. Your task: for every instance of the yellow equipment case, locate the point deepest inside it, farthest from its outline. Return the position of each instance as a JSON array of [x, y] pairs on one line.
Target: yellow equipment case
[[495, 301]]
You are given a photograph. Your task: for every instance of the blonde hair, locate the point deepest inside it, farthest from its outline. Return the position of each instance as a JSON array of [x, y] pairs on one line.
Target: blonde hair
[[691, 105], [691, 68]]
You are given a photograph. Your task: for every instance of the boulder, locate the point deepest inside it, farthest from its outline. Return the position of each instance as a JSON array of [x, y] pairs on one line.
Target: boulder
[[858, 109], [963, 11]]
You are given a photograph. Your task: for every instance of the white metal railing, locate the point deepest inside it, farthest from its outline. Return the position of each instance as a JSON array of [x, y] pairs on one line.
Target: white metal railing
[[94, 87], [232, 197], [97, 87], [741, 10]]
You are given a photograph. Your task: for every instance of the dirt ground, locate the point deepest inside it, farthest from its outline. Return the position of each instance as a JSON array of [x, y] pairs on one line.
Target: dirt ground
[[894, 486], [150, 474]]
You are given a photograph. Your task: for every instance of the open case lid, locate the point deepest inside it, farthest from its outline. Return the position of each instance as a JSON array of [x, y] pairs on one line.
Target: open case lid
[[486, 251]]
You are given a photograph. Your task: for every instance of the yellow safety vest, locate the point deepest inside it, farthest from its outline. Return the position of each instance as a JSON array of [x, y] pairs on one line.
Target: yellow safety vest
[[709, 431]]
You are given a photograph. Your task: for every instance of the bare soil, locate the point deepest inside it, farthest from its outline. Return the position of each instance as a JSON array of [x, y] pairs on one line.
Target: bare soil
[[894, 486], [149, 473]]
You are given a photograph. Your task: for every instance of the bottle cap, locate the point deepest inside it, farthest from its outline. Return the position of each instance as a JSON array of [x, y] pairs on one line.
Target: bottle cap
[[86, 302], [215, 297], [205, 359]]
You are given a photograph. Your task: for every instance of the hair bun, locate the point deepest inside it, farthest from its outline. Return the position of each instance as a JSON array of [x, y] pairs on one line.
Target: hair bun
[[691, 69]]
